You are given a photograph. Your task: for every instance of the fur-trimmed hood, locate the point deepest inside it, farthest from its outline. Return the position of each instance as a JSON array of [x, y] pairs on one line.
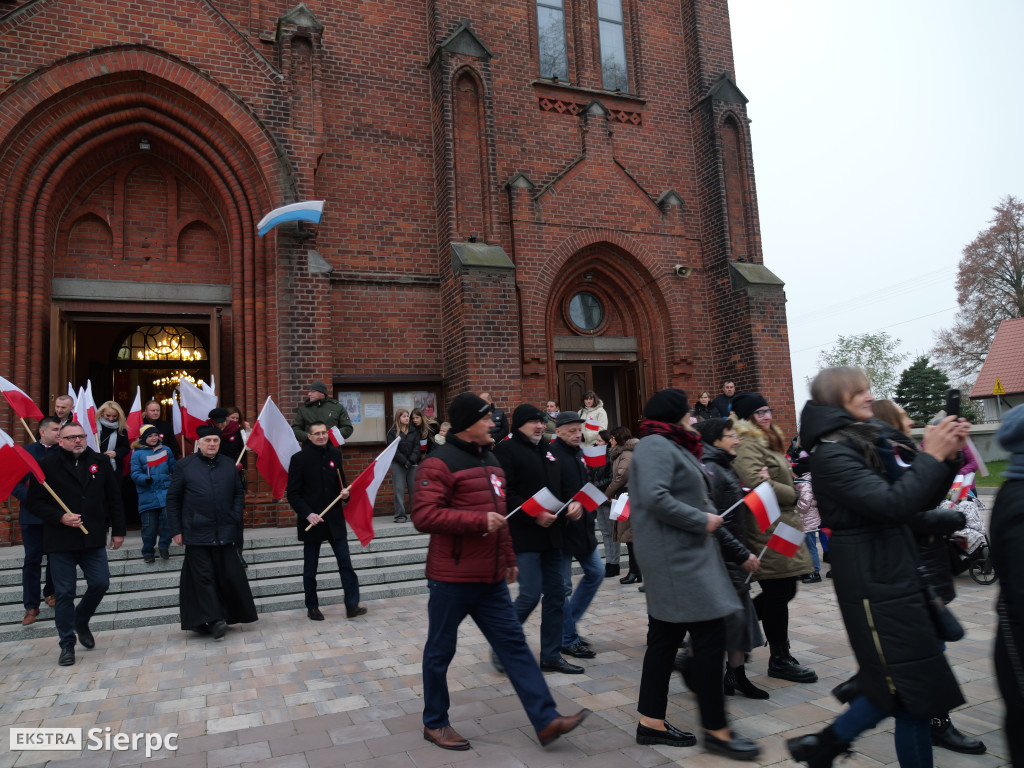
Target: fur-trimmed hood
[[748, 430]]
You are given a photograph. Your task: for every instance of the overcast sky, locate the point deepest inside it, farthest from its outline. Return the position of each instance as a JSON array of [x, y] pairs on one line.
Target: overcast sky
[[884, 131]]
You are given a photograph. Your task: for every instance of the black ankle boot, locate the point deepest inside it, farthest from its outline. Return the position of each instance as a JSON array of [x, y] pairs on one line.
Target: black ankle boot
[[946, 735], [818, 750], [611, 570], [847, 691], [742, 685]]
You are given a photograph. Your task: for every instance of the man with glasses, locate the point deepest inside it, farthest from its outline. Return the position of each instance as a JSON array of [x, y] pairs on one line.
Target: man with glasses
[[91, 491]]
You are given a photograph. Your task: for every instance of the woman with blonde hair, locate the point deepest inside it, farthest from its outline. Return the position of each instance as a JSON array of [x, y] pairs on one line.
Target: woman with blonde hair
[[407, 458], [113, 435]]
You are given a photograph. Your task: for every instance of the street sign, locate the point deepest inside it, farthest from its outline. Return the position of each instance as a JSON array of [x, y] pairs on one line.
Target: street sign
[[998, 389]]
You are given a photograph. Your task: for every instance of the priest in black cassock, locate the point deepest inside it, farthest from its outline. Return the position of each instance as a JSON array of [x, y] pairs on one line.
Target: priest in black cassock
[[204, 512]]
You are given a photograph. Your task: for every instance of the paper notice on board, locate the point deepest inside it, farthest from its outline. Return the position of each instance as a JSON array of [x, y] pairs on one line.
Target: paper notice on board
[[373, 410]]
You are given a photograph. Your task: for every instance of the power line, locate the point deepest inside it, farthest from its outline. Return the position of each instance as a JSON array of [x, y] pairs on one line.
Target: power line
[[883, 328]]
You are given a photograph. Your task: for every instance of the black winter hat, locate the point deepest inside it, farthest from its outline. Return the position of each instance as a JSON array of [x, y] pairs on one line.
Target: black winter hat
[[668, 406], [568, 417], [219, 414], [318, 386], [466, 410], [745, 403], [527, 412], [207, 430]]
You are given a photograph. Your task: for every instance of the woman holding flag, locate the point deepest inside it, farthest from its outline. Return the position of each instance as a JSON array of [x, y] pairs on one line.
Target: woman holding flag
[[869, 501], [760, 458], [152, 465], [594, 415]]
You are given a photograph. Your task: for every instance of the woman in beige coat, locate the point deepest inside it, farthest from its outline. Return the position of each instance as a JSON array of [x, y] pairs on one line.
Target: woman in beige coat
[[761, 458]]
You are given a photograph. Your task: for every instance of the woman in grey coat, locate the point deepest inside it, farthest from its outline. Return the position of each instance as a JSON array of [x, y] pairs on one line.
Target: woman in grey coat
[[688, 587]]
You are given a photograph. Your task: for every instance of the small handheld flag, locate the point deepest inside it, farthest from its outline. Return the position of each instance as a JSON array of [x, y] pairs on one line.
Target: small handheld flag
[[595, 456], [336, 439], [786, 539], [592, 424], [590, 496], [763, 505], [542, 501], [620, 508], [156, 459]]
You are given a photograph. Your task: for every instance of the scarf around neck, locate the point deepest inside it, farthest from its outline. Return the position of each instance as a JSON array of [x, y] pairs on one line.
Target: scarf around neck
[[678, 434]]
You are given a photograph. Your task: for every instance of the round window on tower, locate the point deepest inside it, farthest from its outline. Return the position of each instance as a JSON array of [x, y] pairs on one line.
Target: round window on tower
[[586, 312]]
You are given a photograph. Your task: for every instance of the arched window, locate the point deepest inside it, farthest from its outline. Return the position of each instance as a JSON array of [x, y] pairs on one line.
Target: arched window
[[162, 343]]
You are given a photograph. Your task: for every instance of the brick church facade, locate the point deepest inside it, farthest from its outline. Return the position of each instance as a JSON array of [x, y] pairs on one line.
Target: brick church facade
[[531, 198]]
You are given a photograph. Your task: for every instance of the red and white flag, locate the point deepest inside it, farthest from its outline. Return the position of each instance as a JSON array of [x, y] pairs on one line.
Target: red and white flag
[[336, 439], [15, 463], [595, 456], [961, 486], [82, 411], [765, 507], [90, 410], [72, 394], [175, 414], [423, 444], [156, 459], [195, 408], [22, 404], [592, 424], [590, 496], [786, 539], [134, 420], [542, 501], [274, 443], [363, 494], [620, 508]]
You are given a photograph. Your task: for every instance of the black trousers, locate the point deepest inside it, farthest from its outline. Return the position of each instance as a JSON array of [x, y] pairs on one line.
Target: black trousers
[[708, 643], [634, 566], [772, 607]]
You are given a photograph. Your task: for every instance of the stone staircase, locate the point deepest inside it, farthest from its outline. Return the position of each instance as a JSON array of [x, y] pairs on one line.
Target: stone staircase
[[143, 594]]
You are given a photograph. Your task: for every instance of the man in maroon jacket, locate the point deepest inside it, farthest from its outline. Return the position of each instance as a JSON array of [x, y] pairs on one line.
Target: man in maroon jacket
[[460, 502]]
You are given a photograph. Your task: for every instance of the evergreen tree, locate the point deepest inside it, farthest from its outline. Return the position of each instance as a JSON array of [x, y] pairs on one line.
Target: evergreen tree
[[922, 390]]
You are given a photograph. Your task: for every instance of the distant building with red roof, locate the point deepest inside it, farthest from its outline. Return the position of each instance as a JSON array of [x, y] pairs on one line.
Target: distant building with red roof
[[1005, 364]]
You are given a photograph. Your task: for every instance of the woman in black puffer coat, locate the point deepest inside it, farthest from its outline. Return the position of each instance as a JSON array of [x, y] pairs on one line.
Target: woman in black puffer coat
[[868, 501]]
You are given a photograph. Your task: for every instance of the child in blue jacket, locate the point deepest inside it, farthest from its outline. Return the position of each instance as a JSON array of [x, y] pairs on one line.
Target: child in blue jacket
[[152, 465]]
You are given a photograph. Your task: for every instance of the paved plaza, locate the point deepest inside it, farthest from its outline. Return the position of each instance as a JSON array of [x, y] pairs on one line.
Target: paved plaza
[[287, 692]]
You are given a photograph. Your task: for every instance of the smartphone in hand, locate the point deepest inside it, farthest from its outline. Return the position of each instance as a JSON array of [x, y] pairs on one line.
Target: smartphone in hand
[[953, 402]]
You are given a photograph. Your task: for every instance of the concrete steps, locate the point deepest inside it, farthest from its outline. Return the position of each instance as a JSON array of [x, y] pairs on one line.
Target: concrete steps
[[144, 594]]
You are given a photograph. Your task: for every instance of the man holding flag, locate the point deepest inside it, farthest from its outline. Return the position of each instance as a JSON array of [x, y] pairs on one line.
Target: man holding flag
[[91, 492], [529, 467], [315, 481], [461, 503]]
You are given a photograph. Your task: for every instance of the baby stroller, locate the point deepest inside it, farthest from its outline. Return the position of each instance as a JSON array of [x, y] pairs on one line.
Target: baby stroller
[[969, 548]]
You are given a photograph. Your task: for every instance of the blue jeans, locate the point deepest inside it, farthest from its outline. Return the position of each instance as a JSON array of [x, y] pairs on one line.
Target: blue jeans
[[310, 561], [93, 563], [490, 606], [32, 568], [152, 519], [812, 547], [576, 603], [541, 573], [913, 737]]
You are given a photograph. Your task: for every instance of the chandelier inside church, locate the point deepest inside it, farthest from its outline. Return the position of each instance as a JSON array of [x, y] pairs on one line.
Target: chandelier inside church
[[159, 343]]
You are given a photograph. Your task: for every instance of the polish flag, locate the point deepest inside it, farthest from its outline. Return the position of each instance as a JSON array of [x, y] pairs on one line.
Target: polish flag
[[22, 404], [620, 508], [72, 394], [82, 417], [274, 443], [195, 407], [786, 539], [423, 444], [134, 420], [15, 463], [592, 424], [962, 486], [363, 494], [156, 459], [90, 410], [595, 456], [175, 414], [336, 439], [590, 496], [765, 507], [208, 388], [542, 501]]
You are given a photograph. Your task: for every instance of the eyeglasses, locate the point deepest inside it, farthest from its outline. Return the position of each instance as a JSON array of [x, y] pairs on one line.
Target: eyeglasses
[[730, 435], [73, 437], [762, 411]]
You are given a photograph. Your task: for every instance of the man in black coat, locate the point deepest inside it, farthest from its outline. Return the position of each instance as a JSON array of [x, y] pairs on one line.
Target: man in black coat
[[530, 466], [580, 537], [501, 429], [315, 479], [204, 512], [151, 415], [723, 403], [91, 490]]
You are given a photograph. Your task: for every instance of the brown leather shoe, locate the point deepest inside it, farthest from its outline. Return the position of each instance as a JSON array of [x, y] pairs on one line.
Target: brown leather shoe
[[446, 737], [50, 600], [30, 617], [560, 726]]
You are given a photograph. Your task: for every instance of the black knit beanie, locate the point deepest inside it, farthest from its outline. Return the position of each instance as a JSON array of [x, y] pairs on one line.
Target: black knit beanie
[[668, 405], [466, 410], [745, 403]]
